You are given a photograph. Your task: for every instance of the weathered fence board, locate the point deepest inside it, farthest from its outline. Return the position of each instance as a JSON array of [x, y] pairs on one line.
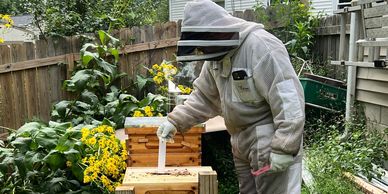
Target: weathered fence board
[[32, 74]]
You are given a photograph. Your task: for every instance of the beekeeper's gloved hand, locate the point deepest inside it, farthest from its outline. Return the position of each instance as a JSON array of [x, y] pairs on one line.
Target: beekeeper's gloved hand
[[166, 132], [280, 162]]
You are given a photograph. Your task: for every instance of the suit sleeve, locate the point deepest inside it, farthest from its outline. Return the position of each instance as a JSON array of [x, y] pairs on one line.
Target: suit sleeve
[[277, 81], [202, 104]]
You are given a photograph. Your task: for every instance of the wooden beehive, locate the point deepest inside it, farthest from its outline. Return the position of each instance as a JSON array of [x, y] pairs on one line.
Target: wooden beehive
[[143, 143], [177, 180]]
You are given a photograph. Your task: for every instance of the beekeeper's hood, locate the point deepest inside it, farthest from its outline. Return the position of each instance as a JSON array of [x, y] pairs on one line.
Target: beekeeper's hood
[[209, 32]]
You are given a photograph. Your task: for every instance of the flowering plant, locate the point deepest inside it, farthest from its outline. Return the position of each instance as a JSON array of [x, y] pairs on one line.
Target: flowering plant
[[163, 73], [8, 22], [104, 162]]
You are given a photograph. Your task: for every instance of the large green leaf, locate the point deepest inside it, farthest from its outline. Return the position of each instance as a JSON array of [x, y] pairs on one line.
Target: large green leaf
[[89, 97], [128, 97], [55, 159], [115, 53], [64, 125], [141, 81], [29, 128], [106, 66], [87, 57], [79, 80], [22, 143], [62, 108], [106, 37]]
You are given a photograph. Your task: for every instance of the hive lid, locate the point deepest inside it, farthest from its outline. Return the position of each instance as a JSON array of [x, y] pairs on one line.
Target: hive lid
[[140, 122]]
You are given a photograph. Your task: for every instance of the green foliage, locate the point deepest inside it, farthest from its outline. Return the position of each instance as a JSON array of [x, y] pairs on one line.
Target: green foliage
[[12, 7], [216, 152], [292, 22], [93, 83], [34, 160], [88, 16], [330, 155]]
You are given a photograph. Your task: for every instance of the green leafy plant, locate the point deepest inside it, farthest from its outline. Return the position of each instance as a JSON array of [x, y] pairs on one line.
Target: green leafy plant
[[34, 160], [329, 155], [94, 85], [292, 22], [88, 16]]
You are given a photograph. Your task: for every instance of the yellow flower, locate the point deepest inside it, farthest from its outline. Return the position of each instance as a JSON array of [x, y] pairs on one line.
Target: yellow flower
[[160, 74], [92, 141], [1, 40], [68, 163], [155, 66], [105, 181], [158, 79], [138, 114], [87, 179], [8, 25], [184, 90], [148, 111]]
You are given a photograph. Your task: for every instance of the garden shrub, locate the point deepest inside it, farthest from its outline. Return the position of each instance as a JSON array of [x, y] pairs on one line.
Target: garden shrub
[[94, 83], [330, 155], [89, 16], [56, 158], [292, 22]]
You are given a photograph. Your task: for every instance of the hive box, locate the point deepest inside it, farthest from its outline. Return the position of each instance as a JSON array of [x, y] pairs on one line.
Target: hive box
[[177, 180], [143, 143]]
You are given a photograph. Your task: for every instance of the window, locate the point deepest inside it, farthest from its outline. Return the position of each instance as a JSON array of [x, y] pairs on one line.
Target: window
[[343, 3], [220, 3]]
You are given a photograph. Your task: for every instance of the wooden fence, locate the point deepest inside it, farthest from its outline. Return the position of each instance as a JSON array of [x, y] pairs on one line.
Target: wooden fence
[[31, 74], [327, 45]]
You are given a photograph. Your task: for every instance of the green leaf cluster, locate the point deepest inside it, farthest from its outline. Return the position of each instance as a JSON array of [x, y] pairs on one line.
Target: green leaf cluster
[[71, 17], [34, 160], [330, 155], [292, 22], [94, 83]]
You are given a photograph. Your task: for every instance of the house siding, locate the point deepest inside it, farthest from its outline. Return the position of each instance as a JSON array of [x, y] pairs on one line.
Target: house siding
[[372, 92], [322, 6], [241, 5], [176, 9], [177, 6]]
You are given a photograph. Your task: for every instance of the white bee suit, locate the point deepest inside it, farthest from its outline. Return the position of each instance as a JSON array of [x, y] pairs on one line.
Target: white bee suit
[[263, 113]]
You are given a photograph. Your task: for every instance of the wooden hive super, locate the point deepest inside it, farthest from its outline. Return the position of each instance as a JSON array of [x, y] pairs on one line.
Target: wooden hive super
[[142, 143], [176, 180]]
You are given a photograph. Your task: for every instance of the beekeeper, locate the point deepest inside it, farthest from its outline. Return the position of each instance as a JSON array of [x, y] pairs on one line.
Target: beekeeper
[[248, 79]]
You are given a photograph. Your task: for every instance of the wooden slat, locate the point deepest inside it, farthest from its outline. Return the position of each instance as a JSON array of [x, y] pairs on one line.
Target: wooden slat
[[125, 189], [365, 186], [172, 159], [377, 22], [376, 11], [32, 64], [372, 86], [372, 97], [379, 43], [377, 33], [18, 52], [361, 2], [47, 61], [145, 180], [208, 182], [152, 130], [373, 74], [150, 45]]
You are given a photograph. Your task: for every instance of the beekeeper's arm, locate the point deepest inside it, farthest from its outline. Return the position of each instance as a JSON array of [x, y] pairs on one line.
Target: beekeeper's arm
[[276, 80], [202, 104]]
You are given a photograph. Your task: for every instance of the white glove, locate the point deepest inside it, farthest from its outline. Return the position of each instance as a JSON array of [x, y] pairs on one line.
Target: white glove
[[280, 162], [166, 132]]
